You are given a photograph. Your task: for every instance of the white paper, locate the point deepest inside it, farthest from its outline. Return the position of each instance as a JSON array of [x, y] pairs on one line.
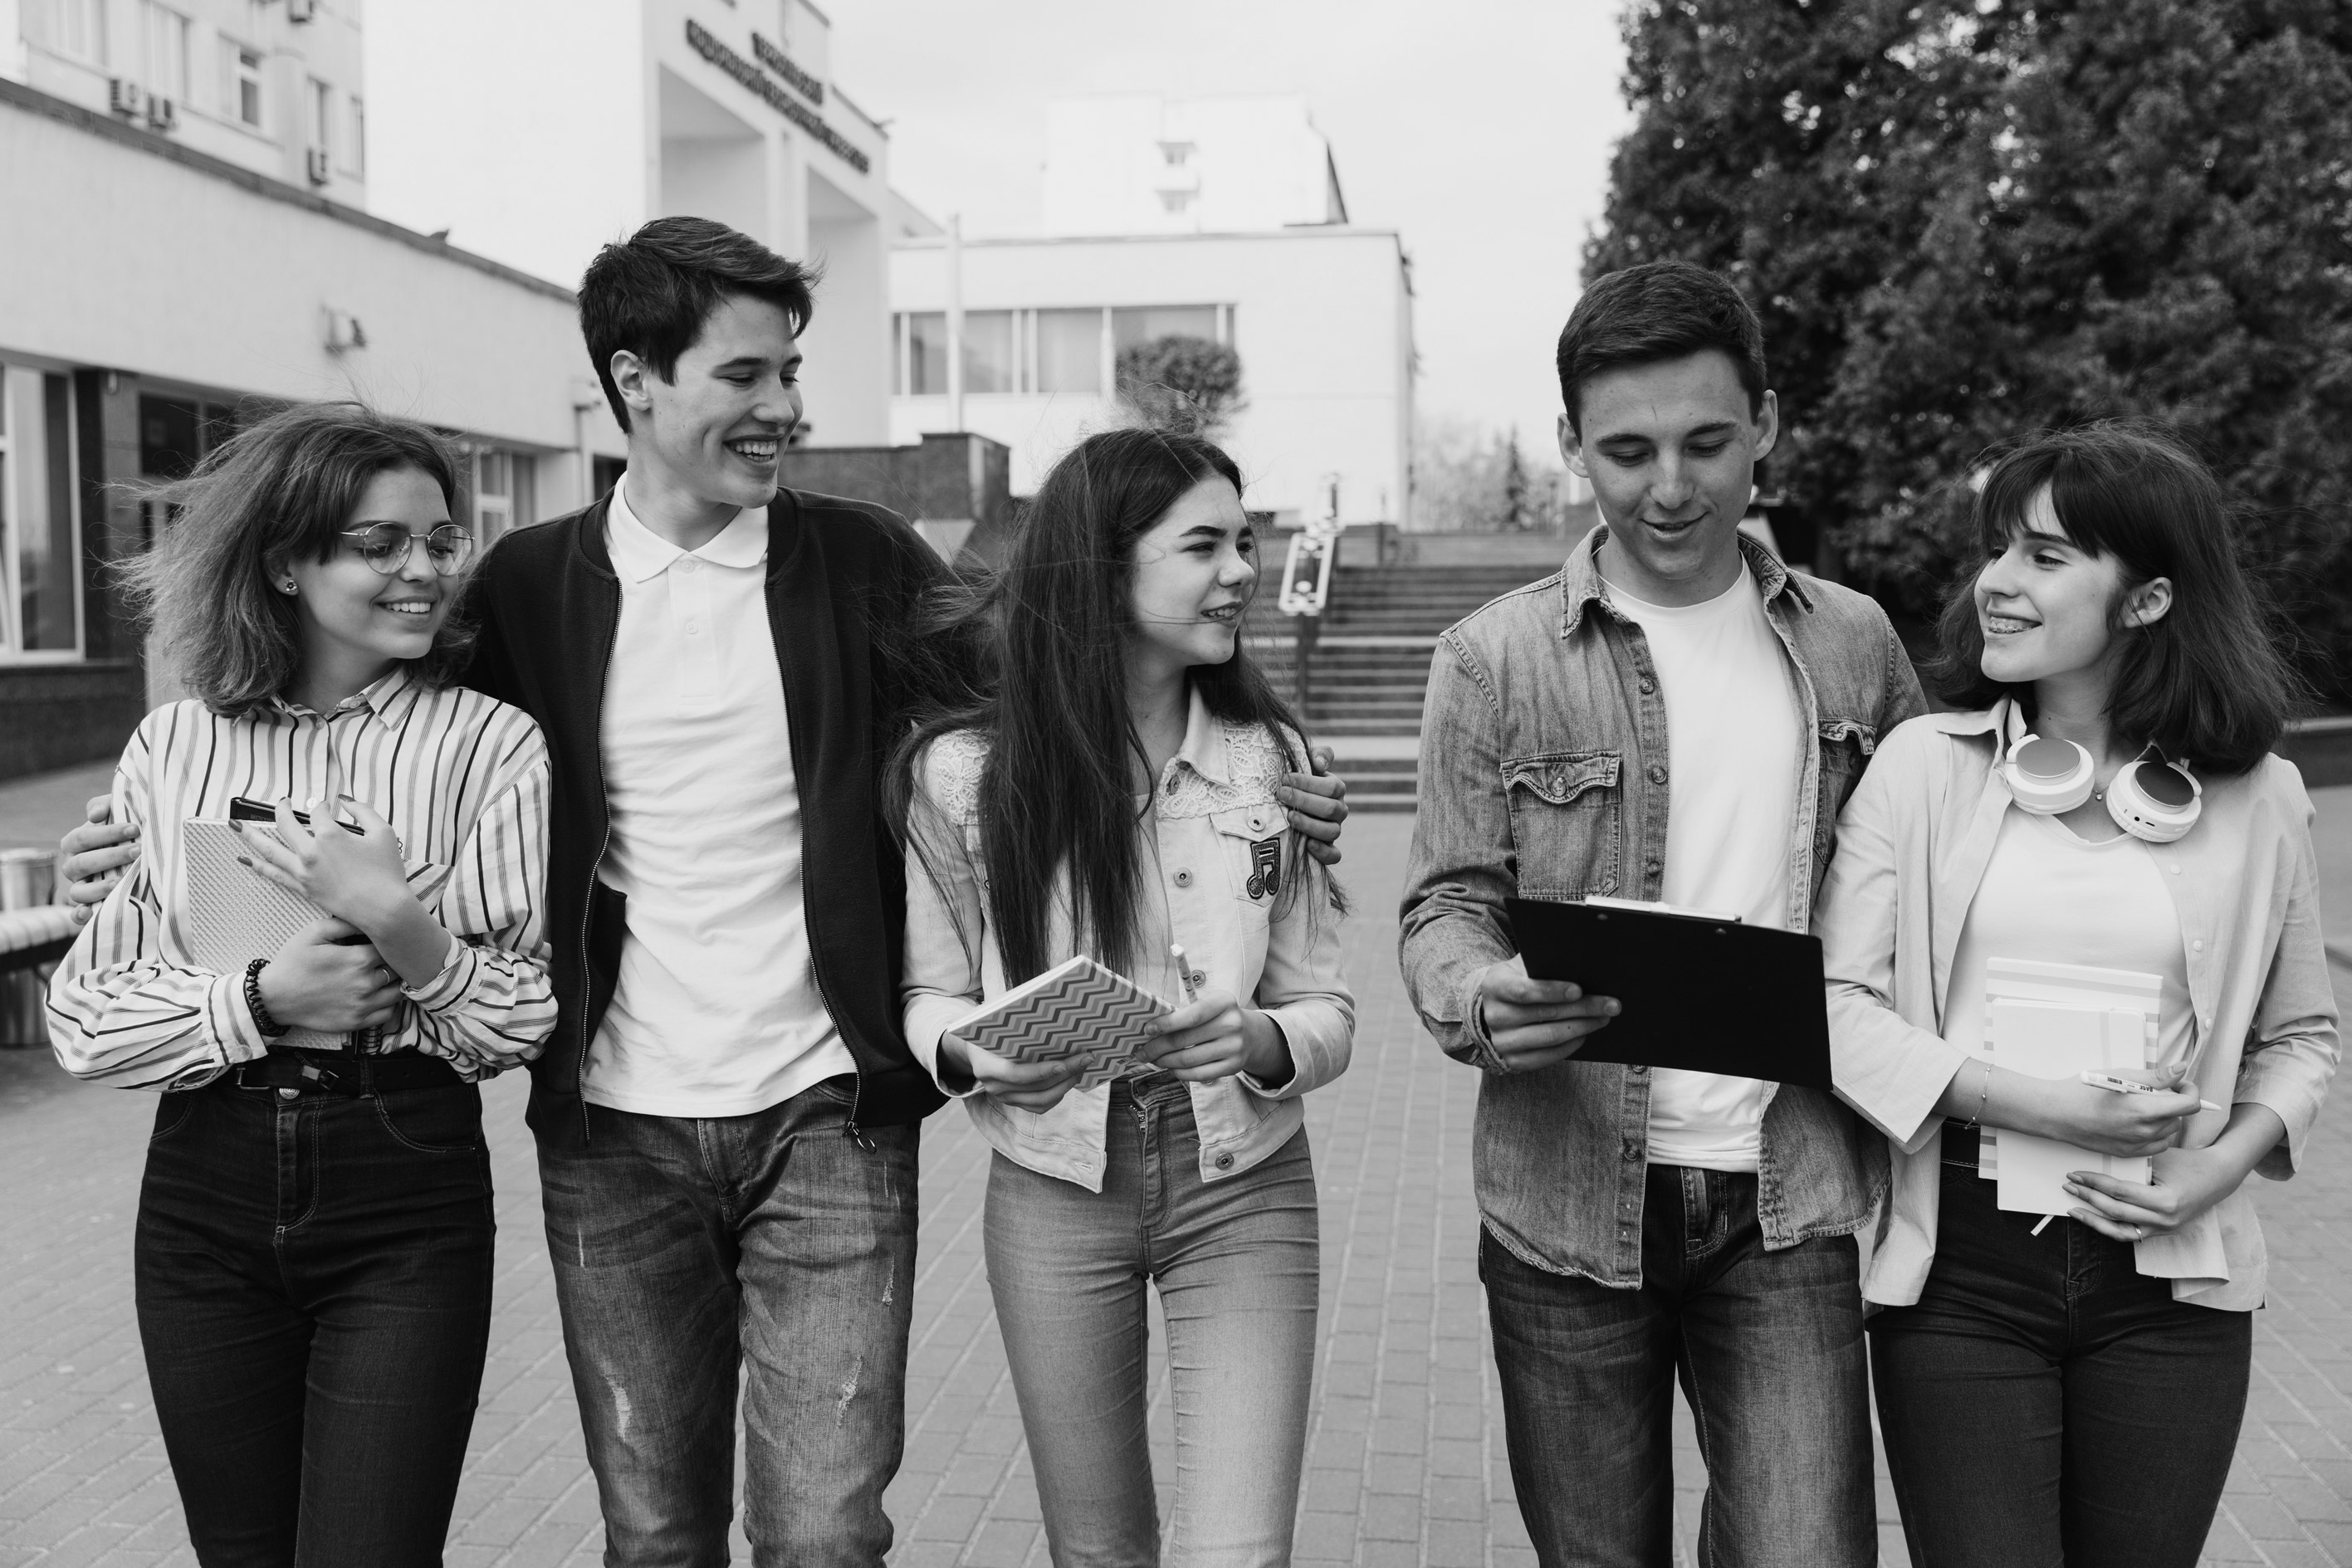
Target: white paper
[[2073, 984], [2050, 1040]]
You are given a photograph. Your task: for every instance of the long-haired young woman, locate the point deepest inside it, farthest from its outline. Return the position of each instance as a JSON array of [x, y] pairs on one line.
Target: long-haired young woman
[[313, 1250], [2071, 1391], [1113, 793]]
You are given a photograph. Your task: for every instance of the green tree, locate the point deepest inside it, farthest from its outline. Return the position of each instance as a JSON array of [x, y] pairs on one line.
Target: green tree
[[1181, 383], [2009, 215], [1519, 511]]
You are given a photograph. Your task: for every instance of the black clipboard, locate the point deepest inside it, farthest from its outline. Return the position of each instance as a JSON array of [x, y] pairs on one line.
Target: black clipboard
[[1698, 993]]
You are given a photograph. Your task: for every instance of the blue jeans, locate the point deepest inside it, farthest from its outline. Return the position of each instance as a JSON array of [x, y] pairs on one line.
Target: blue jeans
[[1768, 1347], [2045, 1402], [1235, 1263], [689, 1252], [313, 1282]]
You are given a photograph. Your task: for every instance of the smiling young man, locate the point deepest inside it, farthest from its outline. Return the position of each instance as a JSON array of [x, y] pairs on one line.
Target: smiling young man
[[1641, 1224], [727, 1111]]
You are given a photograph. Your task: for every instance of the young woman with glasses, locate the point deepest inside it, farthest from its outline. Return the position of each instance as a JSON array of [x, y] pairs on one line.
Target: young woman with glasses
[[2065, 1383], [1113, 793], [313, 1254]]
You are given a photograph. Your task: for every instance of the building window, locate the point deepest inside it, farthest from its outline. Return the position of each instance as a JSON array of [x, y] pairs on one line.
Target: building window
[[241, 83], [1141, 324], [75, 27], [322, 106], [925, 358], [40, 588], [1177, 201], [501, 492], [164, 41], [990, 359], [1069, 351], [355, 154], [1176, 154]]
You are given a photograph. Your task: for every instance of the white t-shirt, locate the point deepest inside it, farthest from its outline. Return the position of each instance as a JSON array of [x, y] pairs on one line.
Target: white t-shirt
[[716, 1012], [1735, 734], [2051, 895]]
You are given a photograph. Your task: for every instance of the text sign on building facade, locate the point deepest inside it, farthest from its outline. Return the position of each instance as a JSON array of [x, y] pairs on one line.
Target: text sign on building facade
[[699, 39], [776, 60]]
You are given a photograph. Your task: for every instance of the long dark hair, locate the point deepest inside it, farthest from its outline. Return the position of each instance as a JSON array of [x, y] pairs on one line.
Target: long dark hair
[[276, 492], [2207, 683], [1048, 637]]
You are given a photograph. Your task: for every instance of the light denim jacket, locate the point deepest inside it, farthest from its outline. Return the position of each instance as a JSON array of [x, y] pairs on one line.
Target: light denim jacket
[[1544, 773], [1216, 812], [1913, 847]]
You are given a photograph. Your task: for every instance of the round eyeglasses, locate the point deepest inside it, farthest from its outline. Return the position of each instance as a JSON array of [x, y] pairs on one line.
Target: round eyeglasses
[[385, 546]]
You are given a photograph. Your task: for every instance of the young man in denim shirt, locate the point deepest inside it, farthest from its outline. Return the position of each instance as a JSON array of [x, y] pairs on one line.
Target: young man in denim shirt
[[1643, 1223]]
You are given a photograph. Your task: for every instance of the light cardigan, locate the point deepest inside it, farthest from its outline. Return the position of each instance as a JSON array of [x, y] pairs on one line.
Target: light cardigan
[[1912, 846]]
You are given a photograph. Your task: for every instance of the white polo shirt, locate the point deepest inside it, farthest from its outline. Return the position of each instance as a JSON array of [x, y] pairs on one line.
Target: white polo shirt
[[716, 1012]]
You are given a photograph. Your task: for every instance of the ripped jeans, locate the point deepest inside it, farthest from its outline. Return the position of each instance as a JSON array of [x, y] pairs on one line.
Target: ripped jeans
[[689, 1250]]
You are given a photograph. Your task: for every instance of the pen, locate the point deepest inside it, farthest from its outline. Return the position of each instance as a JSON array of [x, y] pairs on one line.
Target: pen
[[2126, 1086], [1184, 971]]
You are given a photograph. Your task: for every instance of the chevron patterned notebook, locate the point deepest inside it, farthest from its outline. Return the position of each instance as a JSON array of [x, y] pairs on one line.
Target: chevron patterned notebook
[[1074, 1011]]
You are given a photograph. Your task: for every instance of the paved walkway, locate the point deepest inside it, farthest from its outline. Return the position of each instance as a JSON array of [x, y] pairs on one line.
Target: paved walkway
[[1405, 1460]]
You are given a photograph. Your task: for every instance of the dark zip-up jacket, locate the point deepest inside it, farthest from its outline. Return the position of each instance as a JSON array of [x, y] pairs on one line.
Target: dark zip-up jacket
[[843, 579]]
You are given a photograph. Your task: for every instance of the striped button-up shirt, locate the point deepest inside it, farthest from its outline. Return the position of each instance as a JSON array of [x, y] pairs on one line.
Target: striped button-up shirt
[[462, 778]]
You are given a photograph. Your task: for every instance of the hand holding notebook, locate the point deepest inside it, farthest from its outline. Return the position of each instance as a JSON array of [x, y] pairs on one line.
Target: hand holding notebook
[[1076, 1014]]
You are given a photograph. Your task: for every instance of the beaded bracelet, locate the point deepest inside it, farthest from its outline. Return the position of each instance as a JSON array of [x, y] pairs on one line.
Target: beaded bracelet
[[1984, 1096], [261, 1018]]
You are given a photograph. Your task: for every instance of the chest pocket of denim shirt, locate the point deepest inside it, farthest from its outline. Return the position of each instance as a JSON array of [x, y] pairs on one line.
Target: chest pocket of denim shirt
[[1251, 837], [1568, 821]]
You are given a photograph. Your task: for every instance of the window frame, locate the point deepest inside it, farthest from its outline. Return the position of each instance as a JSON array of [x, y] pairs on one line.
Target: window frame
[[13, 432]]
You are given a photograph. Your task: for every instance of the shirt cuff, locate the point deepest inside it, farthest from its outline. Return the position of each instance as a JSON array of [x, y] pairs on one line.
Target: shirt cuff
[[1289, 1087], [452, 984], [929, 1015], [233, 1024], [1483, 1054]]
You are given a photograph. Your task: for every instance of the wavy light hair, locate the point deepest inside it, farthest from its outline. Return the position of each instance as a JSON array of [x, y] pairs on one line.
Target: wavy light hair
[[275, 493]]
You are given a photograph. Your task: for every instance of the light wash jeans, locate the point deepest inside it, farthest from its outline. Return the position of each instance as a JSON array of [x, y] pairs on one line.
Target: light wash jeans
[[772, 1250], [1235, 1263]]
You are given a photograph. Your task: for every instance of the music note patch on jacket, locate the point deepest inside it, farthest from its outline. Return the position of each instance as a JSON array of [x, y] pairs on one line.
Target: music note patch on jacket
[[1265, 866]]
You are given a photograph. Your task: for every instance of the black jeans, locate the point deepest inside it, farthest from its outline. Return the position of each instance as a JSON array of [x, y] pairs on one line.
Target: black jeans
[[314, 1299], [2045, 1402], [1769, 1350]]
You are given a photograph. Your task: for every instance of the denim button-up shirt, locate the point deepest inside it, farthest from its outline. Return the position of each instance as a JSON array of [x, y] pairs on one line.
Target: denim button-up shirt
[[1220, 858], [1545, 773]]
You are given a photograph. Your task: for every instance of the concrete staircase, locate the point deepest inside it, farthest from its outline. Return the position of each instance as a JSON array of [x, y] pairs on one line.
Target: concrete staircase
[[1370, 666]]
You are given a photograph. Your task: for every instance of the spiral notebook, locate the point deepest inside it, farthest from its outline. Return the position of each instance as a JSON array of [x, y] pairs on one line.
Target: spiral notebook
[[1075, 1011]]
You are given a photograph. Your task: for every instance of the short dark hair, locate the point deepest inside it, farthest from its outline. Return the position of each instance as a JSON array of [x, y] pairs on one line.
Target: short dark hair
[[1658, 310], [2207, 682], [651, 293], [279, 491]]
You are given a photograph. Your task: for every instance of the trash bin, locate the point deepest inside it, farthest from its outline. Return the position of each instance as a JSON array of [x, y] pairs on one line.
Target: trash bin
[[28, 878]]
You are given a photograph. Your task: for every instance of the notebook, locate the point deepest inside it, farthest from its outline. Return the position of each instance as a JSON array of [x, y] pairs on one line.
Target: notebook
[[1075, 1011], [233, 915], [2056, 1020]]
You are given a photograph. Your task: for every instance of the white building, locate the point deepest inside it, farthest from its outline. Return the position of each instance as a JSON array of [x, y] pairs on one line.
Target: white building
[[1258, 254], [537, 130], [1137, 165], [169, 273]]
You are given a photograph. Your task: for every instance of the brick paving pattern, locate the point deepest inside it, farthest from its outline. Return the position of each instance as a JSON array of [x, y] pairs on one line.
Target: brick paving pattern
[[1405, 1459]]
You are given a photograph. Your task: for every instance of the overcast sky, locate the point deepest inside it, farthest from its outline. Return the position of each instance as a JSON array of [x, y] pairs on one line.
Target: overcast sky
[[1480, 130]]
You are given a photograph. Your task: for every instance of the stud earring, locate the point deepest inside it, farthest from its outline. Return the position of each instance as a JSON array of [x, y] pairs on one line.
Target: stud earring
[[287, 587]]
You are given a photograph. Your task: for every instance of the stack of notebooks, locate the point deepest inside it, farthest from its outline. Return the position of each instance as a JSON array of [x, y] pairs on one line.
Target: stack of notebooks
[[1078, 1011], [2059, 1021]]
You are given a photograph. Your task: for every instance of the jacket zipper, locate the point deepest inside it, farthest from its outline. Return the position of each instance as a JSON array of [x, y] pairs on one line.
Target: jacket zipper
[[603, 842]]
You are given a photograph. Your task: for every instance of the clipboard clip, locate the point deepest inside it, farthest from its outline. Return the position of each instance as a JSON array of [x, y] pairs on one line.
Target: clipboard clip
[[1646, 906]]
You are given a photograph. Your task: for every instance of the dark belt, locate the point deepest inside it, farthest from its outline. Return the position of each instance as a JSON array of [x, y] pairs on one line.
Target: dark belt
[[338, 1072]]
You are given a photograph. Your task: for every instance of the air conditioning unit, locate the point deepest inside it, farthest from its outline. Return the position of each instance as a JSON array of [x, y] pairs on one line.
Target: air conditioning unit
[[316, 163], [126, 97], [162, 114], [301, 10]]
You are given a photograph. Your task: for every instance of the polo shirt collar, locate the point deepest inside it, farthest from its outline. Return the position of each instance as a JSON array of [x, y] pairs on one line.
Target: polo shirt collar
[[639, 554]]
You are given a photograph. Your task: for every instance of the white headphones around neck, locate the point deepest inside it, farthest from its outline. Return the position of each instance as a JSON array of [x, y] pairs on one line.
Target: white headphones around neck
[[2156, 800]]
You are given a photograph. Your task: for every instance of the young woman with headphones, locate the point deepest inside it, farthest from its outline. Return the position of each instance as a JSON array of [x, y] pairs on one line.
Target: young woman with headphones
[[2071, 1390]]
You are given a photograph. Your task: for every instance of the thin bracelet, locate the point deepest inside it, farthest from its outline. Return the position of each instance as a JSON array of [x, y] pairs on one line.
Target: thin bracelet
[[269, 1026], [1983, 1095]]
